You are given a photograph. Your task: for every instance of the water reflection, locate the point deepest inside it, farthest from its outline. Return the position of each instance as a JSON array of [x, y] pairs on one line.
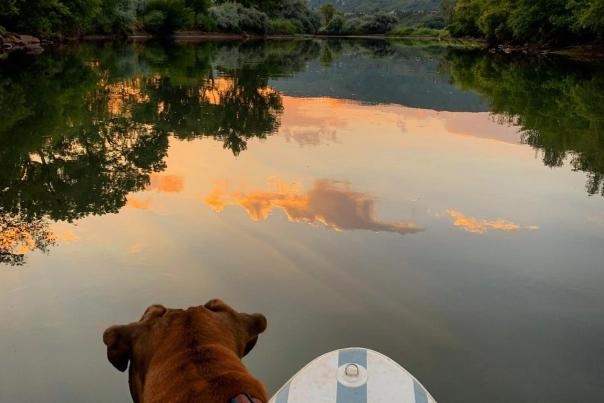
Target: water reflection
[[481, 226], [113, 159], [558, 105], [82, 129], [329, 203], [19, 236]]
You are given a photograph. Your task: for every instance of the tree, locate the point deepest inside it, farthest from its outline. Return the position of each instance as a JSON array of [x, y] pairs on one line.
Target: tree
[[327, 12], [167, 16], [447, 8]]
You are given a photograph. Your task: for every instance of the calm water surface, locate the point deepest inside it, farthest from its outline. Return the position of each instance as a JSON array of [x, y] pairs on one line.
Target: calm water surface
[[443, 207]]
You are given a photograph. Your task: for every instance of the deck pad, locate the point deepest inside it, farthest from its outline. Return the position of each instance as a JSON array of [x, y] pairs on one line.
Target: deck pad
[[353, 375]]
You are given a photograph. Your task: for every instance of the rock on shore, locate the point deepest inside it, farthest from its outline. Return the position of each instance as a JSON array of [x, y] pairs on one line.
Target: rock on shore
[[11, 41]]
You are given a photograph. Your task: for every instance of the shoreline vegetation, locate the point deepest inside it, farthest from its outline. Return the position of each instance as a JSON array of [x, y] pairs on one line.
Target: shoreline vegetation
[[572, 28]]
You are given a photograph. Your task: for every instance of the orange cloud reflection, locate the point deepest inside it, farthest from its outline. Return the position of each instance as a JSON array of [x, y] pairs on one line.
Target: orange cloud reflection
[[166, 183], [141, 204], [329, 203], [480, 226]]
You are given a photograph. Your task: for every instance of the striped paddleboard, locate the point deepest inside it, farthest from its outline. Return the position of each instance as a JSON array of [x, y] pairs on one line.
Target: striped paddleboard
[[353, 375]]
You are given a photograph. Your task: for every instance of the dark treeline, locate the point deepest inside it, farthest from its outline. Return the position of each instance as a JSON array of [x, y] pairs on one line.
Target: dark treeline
[[74, 18], [543, 22], [77, 17]]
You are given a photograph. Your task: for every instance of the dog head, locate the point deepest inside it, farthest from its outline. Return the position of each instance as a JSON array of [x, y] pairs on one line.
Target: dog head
[[164, 330]]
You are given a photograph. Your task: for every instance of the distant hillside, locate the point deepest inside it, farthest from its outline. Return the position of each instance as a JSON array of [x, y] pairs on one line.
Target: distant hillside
[[384, 5]]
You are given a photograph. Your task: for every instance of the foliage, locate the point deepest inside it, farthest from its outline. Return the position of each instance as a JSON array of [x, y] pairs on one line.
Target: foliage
[[327, 12], [167, 16], [205, 23], [48, 16], [447, 9], [234, 17], [117, 16], [558, 107], [520, 21], [379, 23], [297, 11], [281, 26], [76, 17], [371, 6]]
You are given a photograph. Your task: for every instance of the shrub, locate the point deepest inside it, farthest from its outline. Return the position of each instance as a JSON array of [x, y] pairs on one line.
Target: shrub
[[233, 17], [335, 26], [206, 23], [299, 14], [281, 26], [252, 20], [154, 21], [167, 16], [379, 23], [402, 30]]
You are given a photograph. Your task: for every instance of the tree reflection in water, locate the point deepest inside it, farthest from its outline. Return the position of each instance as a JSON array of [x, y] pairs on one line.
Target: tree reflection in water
[[558, 105], [81, 129]]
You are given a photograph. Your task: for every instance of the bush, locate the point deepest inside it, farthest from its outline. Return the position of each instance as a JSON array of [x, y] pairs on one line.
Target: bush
[[281, 26], [167, 16], [335, 26], [401, 30], [379, 23], [233, 17], [154, 21], [298, 13], [206, 23]]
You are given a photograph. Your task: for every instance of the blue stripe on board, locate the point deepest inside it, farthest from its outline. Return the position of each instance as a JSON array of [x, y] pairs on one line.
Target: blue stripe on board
[[345, 393], [353, 356], [421, 396], [283, 395]]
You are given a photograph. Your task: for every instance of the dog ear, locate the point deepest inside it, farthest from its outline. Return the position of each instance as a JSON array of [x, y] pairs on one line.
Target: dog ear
[[119, 346], [257, 324], [154, 311], [217, 305]]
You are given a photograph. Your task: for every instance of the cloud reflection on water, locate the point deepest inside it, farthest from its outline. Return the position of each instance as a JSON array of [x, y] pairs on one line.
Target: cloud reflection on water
[[329, 203]]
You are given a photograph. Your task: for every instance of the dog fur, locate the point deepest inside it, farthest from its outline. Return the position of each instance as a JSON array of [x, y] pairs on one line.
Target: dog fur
[[191, 355]]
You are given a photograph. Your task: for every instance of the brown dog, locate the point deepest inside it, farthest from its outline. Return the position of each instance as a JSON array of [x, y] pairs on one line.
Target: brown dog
[[191, 355]]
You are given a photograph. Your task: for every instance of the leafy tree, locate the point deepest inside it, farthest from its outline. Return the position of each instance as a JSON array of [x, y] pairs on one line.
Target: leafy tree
[[327, 12], [537, 21], [167, 16], [233, 17], [447, 9]]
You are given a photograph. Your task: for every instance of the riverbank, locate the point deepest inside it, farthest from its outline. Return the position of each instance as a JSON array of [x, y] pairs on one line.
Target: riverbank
[[10, 41], [30, 44]]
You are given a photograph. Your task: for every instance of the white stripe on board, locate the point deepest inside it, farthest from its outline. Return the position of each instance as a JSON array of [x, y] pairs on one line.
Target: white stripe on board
[[317, 384], [387, 383]]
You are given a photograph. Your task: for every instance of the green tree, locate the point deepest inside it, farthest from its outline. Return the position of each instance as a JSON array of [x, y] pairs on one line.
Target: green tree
[[167, 16], [327, 12], [447, 8]]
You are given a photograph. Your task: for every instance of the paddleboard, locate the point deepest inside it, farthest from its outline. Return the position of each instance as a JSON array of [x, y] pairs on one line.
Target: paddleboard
[[353, 375]]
